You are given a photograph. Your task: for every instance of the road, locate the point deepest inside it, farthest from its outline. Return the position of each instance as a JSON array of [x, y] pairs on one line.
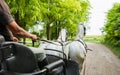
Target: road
[[101, 61]]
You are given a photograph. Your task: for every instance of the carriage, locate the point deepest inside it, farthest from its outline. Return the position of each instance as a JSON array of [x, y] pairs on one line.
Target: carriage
[[18, 59]]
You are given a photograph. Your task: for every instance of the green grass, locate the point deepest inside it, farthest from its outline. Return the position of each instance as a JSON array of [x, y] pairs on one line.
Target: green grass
[[29, 43], [94, 39], [36, 44]]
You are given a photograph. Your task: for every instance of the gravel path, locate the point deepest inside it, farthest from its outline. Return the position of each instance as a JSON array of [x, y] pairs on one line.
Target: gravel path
[[101, 61]]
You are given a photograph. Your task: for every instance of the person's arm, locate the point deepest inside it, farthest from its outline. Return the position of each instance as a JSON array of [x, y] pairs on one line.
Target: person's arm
[[8, 20], [15, 39], [17, 30]]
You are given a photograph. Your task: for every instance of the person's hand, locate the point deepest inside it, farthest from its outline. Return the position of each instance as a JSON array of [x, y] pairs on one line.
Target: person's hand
[[15, 39], [34, 37]]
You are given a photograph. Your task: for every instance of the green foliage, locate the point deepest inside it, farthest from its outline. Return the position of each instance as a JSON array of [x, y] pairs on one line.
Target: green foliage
[[58, 14], [25, 12], [55, 14], [112, 29], [112, 26]]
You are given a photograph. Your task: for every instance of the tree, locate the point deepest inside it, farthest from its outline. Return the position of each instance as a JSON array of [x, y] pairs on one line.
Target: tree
[[55, 14], [25, 12], [112, 26], [63, 13]]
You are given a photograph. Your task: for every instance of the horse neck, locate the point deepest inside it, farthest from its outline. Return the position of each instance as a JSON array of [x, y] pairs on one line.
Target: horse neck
[[80, 33], [61, 38]]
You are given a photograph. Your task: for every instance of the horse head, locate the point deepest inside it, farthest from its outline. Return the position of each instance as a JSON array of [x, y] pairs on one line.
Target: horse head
[[81, 31], [62, 35]]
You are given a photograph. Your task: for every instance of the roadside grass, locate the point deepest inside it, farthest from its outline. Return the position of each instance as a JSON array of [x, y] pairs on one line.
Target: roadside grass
[[29, 42], [93, 38], [100, 39], [36, 44]]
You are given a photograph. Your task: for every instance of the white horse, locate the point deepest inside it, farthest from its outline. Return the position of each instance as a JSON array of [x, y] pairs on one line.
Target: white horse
[[55, 47], [62, 35], [81, 31], [76, 50]]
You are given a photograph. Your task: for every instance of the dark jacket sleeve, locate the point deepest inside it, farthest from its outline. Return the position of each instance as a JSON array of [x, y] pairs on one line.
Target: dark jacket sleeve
[[5, 17]]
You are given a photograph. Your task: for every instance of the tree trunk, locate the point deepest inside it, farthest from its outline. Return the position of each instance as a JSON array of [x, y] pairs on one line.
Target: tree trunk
[[48, 31], [56, 29]]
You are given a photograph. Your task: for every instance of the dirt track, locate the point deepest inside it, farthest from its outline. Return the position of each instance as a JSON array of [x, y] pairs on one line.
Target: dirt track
[[101, 61]]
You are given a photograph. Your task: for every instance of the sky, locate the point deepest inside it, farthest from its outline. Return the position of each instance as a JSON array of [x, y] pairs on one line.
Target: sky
[[98, 15]]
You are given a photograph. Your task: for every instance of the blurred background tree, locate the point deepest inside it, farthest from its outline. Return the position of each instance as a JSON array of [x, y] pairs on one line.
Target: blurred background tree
[[55, 14], [112, 26]]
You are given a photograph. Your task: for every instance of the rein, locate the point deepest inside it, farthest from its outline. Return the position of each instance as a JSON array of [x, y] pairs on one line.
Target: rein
[[49, 42], [85, 45], [60, 44]]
